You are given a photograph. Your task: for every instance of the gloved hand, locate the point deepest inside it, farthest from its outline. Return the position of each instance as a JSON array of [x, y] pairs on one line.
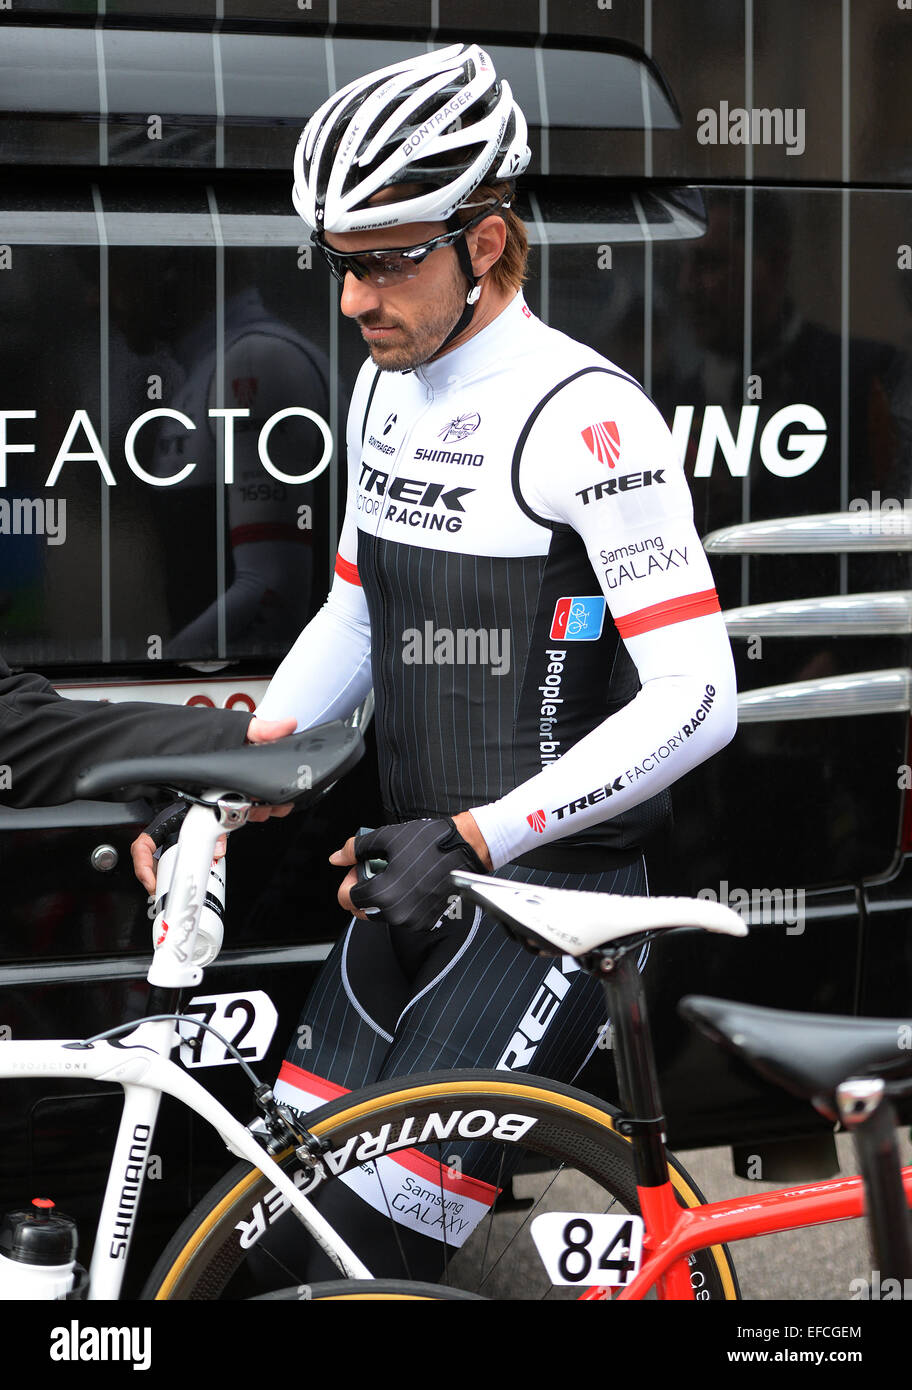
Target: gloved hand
[[414, 889]]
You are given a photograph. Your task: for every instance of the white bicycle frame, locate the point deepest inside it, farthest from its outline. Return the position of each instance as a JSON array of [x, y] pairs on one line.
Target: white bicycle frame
[[139, 1062]]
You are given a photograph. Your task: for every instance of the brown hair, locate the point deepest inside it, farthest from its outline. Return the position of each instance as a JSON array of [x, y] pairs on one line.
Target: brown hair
[[510, 269]]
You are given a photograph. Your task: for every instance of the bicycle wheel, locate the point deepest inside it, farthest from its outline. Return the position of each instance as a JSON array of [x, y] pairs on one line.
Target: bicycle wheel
[[547, 1146], [367, 1290]]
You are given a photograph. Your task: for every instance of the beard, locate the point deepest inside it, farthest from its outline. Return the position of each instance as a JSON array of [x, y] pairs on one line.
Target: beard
[[418, 343]]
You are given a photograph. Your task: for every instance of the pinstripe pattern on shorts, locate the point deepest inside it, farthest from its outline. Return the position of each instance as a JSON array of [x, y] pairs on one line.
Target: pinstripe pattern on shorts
[[368, 1021]]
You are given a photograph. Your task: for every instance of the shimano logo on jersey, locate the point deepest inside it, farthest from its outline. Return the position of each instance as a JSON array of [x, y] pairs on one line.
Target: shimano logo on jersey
[[425, 505], [375, 443], [449, 456], [548, 745], [624, 484]]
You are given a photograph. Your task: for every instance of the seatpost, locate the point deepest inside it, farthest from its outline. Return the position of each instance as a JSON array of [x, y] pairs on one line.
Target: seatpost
[[868, 1114], [638, 1084]]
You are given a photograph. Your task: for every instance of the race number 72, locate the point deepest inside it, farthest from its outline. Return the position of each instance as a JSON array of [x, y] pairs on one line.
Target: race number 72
[[246, 1020]]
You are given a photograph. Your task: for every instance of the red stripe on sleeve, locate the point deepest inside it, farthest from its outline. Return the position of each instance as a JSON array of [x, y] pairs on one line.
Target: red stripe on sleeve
[[347, 570], [673, 610]]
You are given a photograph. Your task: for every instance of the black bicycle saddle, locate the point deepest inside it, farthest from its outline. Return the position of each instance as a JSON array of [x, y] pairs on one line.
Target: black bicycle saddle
[[274, 773], [808, 1055]]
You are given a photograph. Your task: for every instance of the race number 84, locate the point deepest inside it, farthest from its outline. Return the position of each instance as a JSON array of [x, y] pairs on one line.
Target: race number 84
[[588, 1247]]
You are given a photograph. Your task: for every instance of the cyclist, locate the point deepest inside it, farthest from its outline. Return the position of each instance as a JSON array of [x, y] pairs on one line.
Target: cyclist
[[520, 581], [46, 740]]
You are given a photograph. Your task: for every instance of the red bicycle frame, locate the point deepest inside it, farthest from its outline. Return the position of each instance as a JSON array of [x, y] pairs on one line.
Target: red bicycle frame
[[673, 1232]]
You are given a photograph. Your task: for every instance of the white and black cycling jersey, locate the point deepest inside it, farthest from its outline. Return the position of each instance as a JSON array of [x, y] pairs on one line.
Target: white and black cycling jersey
[[520, 580]]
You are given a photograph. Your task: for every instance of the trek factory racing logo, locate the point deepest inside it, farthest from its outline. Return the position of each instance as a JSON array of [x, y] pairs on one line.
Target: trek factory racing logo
[[578, 619], [626, 483], [411, 501], [604, 441], [538, 819]]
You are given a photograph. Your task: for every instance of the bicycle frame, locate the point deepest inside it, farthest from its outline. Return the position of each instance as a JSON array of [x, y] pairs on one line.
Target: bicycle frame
[[140, 1063], [673, 1235], [673, 1232]]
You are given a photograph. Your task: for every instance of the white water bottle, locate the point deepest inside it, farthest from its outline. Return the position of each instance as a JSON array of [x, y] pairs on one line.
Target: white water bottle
[[211, 926], [37, 1253]]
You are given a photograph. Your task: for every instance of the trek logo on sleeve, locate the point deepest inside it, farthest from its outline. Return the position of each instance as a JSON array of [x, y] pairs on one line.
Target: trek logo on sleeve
[[537, 821], [603, 441], [578, 619]]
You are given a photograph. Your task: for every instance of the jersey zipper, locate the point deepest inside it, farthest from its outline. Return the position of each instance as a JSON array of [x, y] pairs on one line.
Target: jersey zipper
[[383, 590]]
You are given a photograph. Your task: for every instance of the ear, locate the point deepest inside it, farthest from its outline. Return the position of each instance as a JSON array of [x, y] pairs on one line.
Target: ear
[[486, 243]]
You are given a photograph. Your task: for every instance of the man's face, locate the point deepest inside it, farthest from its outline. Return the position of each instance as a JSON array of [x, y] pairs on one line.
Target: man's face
[[404, 325]]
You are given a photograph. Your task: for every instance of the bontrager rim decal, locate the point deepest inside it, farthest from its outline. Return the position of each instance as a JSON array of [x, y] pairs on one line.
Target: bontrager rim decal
[[417, 1191]]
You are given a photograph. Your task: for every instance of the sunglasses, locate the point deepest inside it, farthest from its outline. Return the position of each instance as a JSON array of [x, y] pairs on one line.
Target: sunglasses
[[396, 264]]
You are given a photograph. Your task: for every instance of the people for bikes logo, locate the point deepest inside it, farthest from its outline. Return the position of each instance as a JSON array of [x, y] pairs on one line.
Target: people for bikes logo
[[461, 427], [578, 619], [604, 441]]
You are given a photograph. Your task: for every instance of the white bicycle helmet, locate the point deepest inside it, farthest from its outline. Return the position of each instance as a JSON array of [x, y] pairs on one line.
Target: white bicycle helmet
[[443, 121]]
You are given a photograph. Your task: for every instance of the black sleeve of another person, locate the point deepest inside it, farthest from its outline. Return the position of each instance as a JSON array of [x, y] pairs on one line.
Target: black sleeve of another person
[[46, 740]]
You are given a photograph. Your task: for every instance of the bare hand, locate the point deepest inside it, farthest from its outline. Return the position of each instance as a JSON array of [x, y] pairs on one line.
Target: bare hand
[[342, 857]]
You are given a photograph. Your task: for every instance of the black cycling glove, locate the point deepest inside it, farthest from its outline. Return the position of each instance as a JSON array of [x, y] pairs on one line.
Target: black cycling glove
[[414, 889], [164, 827]]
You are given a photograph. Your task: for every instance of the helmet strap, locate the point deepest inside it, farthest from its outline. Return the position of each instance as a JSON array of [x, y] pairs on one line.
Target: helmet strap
[[465, 264]]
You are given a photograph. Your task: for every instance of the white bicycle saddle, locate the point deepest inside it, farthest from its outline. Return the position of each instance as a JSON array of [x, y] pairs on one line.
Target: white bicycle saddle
[[574, 923]]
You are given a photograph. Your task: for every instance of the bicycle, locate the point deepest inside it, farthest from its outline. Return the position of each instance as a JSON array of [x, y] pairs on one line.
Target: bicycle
[[631, 1186], [538, 1133], [135, 1055]]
